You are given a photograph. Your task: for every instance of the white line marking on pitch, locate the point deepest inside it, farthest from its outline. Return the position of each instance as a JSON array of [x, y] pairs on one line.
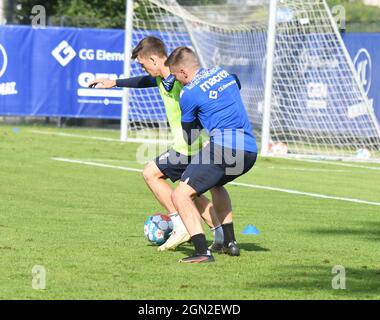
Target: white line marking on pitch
[[270, 167], [97, 164], [81, 136], [320, 170], [113, 160], [72, 135], [334, 163], [315, 195]]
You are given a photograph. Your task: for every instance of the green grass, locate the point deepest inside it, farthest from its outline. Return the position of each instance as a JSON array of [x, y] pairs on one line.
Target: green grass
[[84, 224]]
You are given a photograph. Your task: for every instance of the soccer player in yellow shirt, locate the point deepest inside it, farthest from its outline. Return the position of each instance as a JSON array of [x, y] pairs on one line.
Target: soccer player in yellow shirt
[[151, 54]]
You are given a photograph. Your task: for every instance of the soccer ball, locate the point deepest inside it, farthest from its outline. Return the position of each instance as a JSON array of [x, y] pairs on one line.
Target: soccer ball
[[363, 154], [279, 148], [157, 228]]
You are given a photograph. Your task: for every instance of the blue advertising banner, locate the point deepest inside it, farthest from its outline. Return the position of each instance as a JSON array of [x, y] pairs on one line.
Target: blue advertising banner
[[45, 71], [365, 53]]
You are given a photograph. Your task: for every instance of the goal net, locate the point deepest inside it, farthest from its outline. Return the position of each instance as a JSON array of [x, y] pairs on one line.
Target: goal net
[[315, 103]]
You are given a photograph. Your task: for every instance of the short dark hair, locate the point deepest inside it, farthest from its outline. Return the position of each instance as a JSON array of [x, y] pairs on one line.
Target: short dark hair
[[149, 46], [182, 55]]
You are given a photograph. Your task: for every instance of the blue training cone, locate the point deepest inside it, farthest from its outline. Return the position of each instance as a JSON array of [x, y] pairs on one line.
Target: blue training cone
[[16, 130], [250, 229]]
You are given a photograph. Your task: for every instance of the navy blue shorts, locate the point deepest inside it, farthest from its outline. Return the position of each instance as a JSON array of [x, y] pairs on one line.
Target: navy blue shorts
[[214, 166], [172, 164]]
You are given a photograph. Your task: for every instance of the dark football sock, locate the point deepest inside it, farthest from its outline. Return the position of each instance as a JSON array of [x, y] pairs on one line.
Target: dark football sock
[[229, 234], [200, 244]]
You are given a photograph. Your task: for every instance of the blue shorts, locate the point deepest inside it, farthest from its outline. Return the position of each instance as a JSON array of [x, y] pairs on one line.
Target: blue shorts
[[215, 165], [172, 164]]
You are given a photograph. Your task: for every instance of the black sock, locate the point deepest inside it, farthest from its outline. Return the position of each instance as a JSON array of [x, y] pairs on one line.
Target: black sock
[[200, 243], [229, 234]]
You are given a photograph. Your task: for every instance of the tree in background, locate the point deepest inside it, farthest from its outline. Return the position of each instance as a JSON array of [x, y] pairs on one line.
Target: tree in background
[[93, 13], [359, 17], [80, 13], [20, 11], [111, 13]]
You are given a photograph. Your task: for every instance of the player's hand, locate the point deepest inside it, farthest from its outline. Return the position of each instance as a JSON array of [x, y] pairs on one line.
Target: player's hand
[[102, 83]]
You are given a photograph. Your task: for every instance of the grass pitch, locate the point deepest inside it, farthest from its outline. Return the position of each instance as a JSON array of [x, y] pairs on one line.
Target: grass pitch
[[84, 225]]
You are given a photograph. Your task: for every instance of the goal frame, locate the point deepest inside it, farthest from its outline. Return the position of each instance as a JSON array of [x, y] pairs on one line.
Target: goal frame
[[268, 84]]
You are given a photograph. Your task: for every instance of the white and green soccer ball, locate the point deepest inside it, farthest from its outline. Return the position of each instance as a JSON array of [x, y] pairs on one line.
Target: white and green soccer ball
[[157, 228]]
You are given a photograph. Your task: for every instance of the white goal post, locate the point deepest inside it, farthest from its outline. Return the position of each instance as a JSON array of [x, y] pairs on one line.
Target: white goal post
[[299, 84]]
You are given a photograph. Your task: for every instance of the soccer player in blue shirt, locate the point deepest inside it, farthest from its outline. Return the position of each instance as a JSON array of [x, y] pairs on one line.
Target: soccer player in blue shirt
[[210, 99], [151, 54]]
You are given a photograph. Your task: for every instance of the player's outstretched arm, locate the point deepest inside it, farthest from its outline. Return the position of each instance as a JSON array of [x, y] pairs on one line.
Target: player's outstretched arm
[[135, 82], [102, 83]]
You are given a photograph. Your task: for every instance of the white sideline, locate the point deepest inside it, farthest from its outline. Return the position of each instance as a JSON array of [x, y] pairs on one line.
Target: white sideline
[[132, 140], [308, 169], [103, 165], [314, 195], [72, 135], [320, 170], [331, 163]]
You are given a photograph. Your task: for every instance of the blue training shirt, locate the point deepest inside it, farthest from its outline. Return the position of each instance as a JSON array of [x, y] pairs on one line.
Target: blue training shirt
[[214, 98]]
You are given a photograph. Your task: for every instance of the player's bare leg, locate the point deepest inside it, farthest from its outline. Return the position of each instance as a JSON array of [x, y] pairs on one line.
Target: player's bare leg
[[183, 199], [155, 180], [207, 211], [208, 214], [223, 207], [222, 204]]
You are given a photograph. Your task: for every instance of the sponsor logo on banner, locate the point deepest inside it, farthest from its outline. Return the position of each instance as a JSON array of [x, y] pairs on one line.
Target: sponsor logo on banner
[[317, 90], [101, 95], [3, 60], [64, 53], [6, 88], [360, 109], [363, 66], [230, 59], [314, 61], [100, 55], [317, 94], [317, 104]]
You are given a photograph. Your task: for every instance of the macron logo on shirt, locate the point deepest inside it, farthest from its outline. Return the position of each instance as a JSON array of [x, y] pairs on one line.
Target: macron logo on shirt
[[214, 80]]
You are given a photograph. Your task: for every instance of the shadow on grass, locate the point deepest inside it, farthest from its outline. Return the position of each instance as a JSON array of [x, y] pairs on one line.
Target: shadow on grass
[[189, 249], [360, 283], [365, 230], [251, 247]]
